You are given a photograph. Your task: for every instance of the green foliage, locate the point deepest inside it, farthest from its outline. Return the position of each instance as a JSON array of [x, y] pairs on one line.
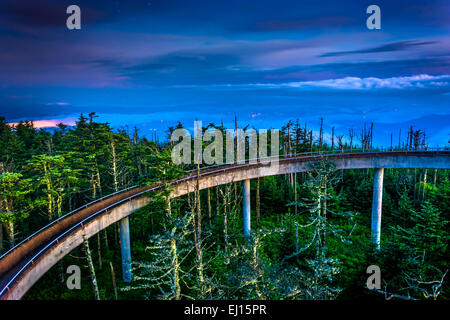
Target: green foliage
[[53, 180], [321, 252], [14, 204], [419, 247]]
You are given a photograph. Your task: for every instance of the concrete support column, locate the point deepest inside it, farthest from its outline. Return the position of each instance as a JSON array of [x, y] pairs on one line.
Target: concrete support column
[[125, 249], [376, 206], [246, 208]]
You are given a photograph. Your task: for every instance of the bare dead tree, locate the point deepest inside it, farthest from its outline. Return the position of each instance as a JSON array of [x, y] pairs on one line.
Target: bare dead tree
[[351, 134], [209, 205], [427, 289], [371, 136], [229, 206], [391, 143], [340, 142], [194, 205], [321, 134], [332, 138], [113, 277], [365, 139], [258, 204], [91, 268]]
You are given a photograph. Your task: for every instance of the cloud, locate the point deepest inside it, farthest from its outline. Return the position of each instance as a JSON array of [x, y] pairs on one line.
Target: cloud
[[302, 24], [355, 83], [58, 104], [395, 46]]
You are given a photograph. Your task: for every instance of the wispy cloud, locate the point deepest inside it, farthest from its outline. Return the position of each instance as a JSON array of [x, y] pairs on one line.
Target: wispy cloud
[[395, 46], [58, 104], [356, 83]]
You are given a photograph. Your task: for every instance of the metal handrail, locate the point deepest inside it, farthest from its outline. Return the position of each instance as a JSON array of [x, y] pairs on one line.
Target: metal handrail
[[328, 152], [6, 287], [62, 217], [76, 226]]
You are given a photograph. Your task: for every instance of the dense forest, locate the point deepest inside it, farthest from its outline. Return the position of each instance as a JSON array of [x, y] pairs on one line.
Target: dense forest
[[310, 231]]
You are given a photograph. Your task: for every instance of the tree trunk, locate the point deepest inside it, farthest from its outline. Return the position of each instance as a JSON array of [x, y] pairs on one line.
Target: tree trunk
[[324, 213], [1, 238], [235, 196], [199, 212], [113, 277], [105, 237], [94, 188], [99, 251], [371, 136], [424, 184], [415, 187], [10, 231], [91, 267], [169, 207], [318, 227], [176, 268], [295, 192], [114, 164], [99, 183], [258, 209], [321, 134], [225, 218], [116, 234], [61, 274], [217, 201], [289, 150], [209, 205], [332, 138], [391, 142], [199, 233]]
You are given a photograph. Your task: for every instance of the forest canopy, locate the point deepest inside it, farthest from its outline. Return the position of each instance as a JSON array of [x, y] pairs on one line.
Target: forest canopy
[[310, 231]]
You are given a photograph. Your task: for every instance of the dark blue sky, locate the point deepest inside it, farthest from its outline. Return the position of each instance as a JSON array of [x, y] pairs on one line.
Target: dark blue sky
[[151, 63]]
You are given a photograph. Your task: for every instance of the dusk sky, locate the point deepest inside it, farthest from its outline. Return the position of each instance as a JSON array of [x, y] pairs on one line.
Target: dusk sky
[[152, 63]]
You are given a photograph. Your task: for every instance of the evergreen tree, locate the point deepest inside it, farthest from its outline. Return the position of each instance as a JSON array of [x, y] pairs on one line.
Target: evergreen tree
[[14, 205], [54, 179]]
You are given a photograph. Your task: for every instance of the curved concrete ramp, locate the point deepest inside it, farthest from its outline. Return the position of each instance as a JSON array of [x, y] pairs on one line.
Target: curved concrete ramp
[[21, 267], [364, 160]]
